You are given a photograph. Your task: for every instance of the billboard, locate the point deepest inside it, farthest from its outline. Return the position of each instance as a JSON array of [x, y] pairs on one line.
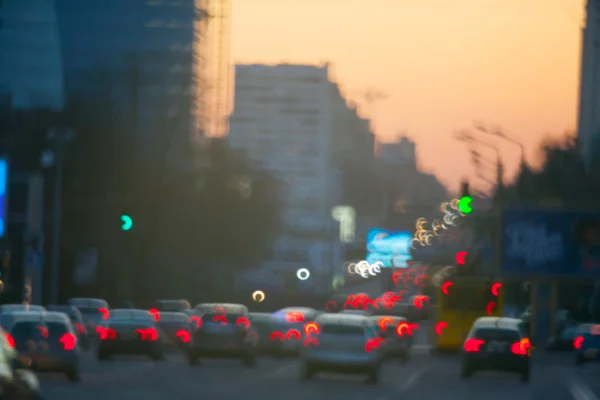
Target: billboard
[[391, 248], [3, 196], [558, 243]]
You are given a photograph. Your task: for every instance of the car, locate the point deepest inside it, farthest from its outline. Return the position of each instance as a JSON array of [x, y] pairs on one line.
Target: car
[[83, 336], [262, 325], [48, 340], [418, 308], [564, 340], [92, 310], [7, 308], [129, 332], [176, 327], [397, 332], [171, 305], [343, 343], [587, 344], [363, 313], [497, 344], [17, 380], [289, 329], [222, 331]]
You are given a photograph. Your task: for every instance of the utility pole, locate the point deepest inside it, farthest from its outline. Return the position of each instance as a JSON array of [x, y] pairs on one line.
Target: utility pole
[[60, 137]]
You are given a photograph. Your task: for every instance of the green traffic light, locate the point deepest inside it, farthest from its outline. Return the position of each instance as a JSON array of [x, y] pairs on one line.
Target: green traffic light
[[127, 222], [464, 205]]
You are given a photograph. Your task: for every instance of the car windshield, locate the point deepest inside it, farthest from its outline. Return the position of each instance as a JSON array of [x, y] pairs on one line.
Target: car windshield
[[56, 330], [23, 331], [220, 318], [342, 329], [489, 334], [173, 317]]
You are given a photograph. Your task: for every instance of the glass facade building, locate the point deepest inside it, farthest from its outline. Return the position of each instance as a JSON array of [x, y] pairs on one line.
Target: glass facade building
[[31, 68], [139, 54]]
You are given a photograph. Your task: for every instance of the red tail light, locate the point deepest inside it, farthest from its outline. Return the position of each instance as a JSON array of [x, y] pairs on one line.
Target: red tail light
[[311, 327], [292, 334], [294, 317], [69, 341], [196, 320], [9, 339], [277, 336], [243, 322], [155, 314], [373, 344], [105, 313], [402, 328], [521, 348], [106, 333], [184, 335], [221, 319], [578, 342], [473, 345], [80, 328], [150, 334], [311, 341]]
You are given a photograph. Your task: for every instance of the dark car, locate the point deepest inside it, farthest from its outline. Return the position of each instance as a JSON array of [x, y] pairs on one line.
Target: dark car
[[497, 344], [92, 310], [289, 328], [176, 327], [262, 325], [171, 305], [587, 344], [129, 332], [564, 340], [223, 331], [83, 335], [397, 333]]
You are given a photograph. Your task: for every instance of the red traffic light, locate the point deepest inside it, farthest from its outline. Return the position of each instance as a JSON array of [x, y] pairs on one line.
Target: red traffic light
[[461, 257]]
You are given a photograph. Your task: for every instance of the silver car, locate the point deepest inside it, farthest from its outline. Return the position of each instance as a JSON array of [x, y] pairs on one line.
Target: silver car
[[344, 343], [48, 340]]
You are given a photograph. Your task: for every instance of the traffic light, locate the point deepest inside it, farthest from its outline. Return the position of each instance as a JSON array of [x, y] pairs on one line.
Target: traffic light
[[464, 203], [126, 222]]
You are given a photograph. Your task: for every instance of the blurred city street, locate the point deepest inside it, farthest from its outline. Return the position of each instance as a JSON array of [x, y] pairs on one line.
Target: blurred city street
[[423, 377]]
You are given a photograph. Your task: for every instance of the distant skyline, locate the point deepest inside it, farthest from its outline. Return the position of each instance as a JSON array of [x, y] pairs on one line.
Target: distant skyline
[[443, 65]]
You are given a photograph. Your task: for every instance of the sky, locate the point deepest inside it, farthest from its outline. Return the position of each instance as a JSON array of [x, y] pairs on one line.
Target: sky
[[442, 65]]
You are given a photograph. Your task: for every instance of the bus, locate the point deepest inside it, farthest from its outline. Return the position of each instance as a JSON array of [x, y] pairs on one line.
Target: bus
[[460, 301]]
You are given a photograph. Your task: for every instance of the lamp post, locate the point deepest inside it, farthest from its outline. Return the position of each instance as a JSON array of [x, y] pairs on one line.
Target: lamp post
[[499, 133], [467, 137], [60, 138]]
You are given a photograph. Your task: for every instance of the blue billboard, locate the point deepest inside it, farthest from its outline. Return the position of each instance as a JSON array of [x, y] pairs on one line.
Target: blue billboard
[[550, 243], [391, 248], [3, 196]]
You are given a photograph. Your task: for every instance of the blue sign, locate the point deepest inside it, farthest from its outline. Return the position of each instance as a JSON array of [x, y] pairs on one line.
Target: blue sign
[[389, 247], [3, 195], [550, 243]]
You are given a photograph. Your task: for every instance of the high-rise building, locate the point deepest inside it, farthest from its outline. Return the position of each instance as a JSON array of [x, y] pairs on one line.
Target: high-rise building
[[589, 91], [282, 121], [30, 55], [139, 54]]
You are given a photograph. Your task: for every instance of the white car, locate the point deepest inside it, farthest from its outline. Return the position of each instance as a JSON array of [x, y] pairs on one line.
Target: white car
[[343, 343]]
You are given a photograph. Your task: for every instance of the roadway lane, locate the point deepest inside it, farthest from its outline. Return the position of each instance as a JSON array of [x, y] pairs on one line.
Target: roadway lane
[[424, 377]]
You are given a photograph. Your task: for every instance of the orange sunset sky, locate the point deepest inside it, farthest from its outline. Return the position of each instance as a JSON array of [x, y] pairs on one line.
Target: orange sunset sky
[[442, 63]]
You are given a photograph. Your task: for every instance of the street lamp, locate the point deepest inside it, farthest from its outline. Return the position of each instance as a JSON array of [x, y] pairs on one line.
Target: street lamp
[[60, 138], [467, 137], [498, 132]]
